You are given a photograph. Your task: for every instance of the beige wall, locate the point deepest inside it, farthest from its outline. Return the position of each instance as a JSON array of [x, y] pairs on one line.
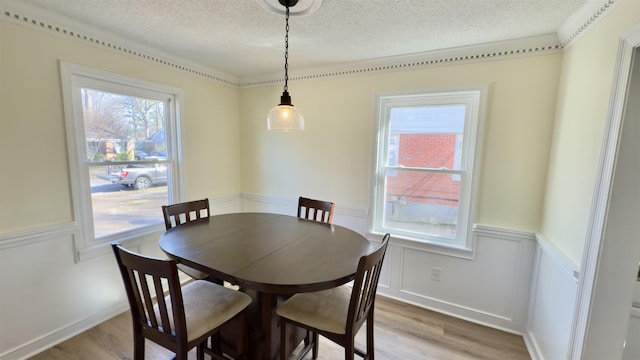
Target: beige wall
[[332, 157], [583, 102], [35, 189]]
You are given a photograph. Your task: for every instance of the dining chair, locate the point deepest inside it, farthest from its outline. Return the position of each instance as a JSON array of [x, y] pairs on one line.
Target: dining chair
[[316, 210], [183, 213], [337, 313], [187, 316]]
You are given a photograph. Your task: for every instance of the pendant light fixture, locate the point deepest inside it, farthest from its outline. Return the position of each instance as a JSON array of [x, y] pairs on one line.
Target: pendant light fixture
[[285, 117]]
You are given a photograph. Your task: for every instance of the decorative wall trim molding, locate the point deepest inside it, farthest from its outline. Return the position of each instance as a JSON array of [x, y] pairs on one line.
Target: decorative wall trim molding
[[573, 28], [225, 199], [50, 23], [553, 281], [502, 233], [39, 234], [71, 230], [38, 345], [512, 249], [288, 202], [273, 200], [461, 312], [570, 268], [593, 258], [583, 20], [493, 51]]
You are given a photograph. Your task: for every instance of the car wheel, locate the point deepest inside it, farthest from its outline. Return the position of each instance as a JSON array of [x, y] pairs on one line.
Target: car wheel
[[143, 183]]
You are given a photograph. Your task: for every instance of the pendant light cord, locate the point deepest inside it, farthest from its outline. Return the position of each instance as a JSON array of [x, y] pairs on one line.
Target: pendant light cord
[[286, 53]]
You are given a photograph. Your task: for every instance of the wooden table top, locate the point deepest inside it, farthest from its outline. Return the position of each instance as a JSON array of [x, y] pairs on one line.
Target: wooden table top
[[268, 252]]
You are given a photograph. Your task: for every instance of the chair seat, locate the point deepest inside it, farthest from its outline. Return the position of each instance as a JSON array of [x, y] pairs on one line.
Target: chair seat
[[337, 313], [196, 274], [324, 310], [208, 305]]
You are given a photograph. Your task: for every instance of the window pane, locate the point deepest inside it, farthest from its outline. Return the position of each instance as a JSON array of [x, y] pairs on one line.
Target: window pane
[[125, 128], [422, 202], [118, 206], [426, 137], [425, 164], [122, 128]]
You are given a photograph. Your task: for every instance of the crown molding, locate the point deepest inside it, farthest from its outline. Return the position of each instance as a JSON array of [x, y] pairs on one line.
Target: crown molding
[[27, 15], [584, 19], [576, 26], [492, 51]]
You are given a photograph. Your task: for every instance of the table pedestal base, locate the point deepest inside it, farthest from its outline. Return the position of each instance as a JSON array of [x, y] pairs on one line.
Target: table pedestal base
[[264, 329]]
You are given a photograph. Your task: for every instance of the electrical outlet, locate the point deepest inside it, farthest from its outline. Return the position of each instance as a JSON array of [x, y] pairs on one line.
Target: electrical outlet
[[435, 273]]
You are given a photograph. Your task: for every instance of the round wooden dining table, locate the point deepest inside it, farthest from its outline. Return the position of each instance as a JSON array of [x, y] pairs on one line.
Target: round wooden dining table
[[269, 256]]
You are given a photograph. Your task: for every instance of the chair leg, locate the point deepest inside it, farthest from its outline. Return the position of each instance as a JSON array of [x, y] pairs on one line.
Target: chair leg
[[283, 339], [138, 346], [307, 338], [316, 343], [370, 344], [243, 341], [349, 349], [200, 351]]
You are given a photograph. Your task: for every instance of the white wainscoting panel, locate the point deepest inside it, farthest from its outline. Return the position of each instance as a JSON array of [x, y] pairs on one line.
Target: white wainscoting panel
[[632, 345], [48, 297], [226, 204], [552, 304], [491, 287], [484, 289]]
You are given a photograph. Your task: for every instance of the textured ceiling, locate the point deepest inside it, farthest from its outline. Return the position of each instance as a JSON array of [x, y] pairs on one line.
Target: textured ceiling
[[242, 38]]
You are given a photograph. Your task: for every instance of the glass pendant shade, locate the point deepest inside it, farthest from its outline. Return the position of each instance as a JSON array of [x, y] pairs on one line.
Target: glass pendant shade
[[285, 117]]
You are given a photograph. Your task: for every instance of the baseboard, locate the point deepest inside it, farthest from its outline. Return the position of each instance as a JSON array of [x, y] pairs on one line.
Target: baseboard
[[532, 346], [56, 337]]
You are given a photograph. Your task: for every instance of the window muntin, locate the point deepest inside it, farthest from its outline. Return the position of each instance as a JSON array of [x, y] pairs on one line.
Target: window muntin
[[123, 153], [424, 169]]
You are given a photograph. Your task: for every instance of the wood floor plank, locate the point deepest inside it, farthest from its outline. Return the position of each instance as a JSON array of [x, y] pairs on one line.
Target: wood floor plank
[[402, 331]]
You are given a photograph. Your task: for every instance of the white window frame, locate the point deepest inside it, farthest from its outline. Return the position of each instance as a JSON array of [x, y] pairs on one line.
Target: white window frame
[[74, 77], [474, 98]]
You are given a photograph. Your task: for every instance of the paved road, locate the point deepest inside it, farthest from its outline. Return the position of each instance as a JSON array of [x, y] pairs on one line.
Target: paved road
[[117, 208]]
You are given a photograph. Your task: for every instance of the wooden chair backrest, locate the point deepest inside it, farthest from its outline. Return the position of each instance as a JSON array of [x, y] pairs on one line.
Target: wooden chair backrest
[[144, 278], [316, 210], [182, 213], [365, 284]]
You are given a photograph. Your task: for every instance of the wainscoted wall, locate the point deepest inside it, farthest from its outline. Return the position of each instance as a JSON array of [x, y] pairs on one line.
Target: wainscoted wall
[[49, 296], [491, 287], [552, 302], [632, 349], [46, 296]]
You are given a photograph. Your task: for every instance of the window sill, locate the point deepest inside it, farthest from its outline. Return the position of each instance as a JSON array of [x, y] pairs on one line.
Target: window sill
[[428, 246], [103, 247]]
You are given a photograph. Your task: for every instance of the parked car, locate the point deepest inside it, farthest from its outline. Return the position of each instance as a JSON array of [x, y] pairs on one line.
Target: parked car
[[140, 155], [138, 176], [156, 155]]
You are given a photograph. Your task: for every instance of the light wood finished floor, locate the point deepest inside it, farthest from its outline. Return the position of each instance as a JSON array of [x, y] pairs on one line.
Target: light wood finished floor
[[402, 331]]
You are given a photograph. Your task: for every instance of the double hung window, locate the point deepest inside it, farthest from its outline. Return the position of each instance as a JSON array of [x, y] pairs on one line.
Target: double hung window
[[425, 174], [123, 146]]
